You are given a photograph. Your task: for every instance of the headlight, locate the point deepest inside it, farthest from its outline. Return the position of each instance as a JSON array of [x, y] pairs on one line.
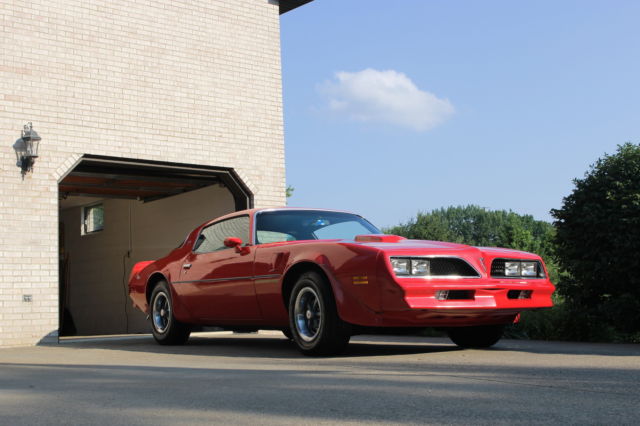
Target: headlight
[[512, 269], [419, 267], [401, 266], [410, 266], [529, 269]]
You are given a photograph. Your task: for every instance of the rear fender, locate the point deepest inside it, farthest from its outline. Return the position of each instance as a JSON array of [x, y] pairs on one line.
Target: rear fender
[[138, 283], [138, 267], [179, 310]]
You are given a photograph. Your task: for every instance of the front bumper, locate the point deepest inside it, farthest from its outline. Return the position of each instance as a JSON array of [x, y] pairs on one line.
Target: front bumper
[[461, 302], [477, 294]]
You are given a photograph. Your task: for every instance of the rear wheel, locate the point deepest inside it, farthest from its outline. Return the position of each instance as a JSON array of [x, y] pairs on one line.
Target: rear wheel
[[313, 318], [166, 329], [482, 336]]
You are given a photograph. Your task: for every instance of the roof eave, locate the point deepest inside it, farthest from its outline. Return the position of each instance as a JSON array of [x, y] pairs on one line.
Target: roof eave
[[287, 5]]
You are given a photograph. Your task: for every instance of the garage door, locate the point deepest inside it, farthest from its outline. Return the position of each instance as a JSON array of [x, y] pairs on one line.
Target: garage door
[[115, 212]]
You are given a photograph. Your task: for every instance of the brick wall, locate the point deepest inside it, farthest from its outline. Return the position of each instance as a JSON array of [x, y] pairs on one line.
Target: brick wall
[[193, 81]]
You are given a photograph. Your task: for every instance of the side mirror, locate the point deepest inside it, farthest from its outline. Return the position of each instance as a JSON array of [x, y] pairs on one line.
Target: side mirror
[[237, 243], [232, 242]]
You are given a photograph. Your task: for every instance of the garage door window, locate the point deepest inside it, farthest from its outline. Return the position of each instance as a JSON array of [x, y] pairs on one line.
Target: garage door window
[[92, 219]]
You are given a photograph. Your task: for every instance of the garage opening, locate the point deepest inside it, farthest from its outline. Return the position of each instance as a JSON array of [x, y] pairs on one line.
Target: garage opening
[[115, 212]]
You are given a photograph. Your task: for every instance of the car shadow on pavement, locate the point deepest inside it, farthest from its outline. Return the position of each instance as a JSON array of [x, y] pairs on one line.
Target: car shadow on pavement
[[567, 348], [257, 346], [274, 346]]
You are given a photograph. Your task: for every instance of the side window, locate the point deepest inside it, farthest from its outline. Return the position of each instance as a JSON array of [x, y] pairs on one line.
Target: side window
[[265, 237], [212, 237]]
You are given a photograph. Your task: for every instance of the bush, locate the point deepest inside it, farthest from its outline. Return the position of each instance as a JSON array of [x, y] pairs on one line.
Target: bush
[[598, 243], [561, 322]]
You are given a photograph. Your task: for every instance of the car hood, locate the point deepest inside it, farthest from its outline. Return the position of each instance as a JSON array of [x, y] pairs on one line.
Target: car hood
[[426, 247]]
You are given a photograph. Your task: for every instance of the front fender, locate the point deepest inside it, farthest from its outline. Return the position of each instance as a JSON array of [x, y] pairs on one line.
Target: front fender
[[352, 276]]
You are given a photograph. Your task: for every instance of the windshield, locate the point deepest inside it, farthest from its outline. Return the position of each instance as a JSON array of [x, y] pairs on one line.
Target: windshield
[[292, 225]]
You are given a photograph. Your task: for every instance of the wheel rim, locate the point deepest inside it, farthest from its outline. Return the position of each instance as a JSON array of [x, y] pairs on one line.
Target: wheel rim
[[308, 314], [161, 312]]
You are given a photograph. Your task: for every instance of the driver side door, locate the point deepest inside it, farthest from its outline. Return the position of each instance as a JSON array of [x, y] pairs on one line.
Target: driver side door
[[218, 280]]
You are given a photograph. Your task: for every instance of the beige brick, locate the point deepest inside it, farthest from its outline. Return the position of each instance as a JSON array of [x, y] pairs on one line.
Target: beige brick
[[131, 79]]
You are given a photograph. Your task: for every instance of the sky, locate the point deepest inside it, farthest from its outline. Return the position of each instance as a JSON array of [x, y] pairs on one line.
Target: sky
[[392, 108]]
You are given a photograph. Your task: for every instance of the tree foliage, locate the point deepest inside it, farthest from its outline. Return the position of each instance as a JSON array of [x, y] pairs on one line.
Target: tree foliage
[[598, 241], [478, 226], [288, 192]]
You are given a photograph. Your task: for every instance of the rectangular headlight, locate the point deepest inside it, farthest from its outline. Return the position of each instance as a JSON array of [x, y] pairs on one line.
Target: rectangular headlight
[[401, 266], [419, 267], [512, 269], [529, 269]]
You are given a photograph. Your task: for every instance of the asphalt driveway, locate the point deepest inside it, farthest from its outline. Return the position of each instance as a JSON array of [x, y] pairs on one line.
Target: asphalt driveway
[[261, 379]]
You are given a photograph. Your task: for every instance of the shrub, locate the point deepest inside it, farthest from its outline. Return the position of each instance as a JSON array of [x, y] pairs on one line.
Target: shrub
[[598, 243]]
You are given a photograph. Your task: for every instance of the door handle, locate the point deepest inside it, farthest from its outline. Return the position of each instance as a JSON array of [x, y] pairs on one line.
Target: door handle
[[186, 266]]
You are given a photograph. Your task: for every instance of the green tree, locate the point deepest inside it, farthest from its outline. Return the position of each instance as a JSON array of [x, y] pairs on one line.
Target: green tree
[[598, 242], [478, 226], [288, 192]]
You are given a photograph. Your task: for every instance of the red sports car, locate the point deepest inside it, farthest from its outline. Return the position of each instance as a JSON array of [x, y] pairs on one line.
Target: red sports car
[[322, 276]]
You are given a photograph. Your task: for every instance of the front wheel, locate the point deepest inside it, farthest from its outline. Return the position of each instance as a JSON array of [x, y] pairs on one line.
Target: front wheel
[[482, 336], [315, 325], [287, 333], [166, 329]]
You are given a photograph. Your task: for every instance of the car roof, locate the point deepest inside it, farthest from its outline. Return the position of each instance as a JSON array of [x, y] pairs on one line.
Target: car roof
[[251, 212]]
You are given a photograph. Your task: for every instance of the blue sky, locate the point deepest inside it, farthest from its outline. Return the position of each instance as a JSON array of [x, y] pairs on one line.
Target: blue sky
[[392, 108]]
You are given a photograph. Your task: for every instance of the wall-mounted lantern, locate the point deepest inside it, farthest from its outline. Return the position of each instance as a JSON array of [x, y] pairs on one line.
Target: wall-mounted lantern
[[27, 148]]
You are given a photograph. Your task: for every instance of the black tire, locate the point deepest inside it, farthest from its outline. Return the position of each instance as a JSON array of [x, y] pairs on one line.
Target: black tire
[[315, 325], [482, 336], [287, 333], [166, 329]]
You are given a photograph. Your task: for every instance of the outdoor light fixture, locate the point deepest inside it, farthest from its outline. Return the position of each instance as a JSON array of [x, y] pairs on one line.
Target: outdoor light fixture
[[27, 148]]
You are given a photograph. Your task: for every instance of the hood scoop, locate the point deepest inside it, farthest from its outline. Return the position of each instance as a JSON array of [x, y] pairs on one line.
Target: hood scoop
[[378, 238]]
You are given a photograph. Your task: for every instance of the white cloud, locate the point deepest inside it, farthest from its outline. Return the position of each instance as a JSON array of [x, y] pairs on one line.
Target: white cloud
[[385, 96]]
